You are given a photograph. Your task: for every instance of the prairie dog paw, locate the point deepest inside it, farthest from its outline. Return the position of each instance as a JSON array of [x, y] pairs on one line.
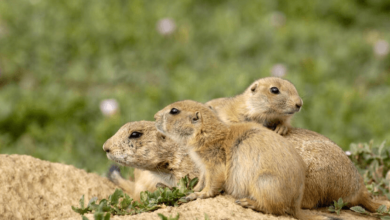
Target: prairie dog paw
[[191, 197], [246, 203], [281, 129], [200, 195]]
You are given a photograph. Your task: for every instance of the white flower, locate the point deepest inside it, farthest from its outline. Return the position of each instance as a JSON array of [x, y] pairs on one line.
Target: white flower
[[166, 26], [278, 70], [348, 153], [381, 48], [109, 107], [278, 19]]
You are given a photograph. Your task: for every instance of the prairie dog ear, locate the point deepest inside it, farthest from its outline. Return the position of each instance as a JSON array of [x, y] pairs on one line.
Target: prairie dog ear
[[253, 87], [196, 117]]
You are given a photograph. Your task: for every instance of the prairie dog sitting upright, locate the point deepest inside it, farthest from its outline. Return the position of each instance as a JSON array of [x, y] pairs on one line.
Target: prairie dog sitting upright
[[268, 101], [330, 174], [255, 165], [157, 158]]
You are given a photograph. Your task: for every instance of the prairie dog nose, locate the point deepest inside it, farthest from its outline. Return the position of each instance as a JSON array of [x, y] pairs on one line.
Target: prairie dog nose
[[157, 115], [299, 104], [106, 148]]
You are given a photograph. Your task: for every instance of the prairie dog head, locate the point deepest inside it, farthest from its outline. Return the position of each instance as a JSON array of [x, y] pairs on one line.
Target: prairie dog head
[[140, 145], [272, 97], [182, 121]]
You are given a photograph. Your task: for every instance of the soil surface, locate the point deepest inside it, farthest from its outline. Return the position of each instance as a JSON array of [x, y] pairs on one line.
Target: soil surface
[[31, 188]]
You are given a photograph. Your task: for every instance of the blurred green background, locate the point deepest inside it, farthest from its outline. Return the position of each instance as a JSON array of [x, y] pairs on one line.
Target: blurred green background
[[62, 61]]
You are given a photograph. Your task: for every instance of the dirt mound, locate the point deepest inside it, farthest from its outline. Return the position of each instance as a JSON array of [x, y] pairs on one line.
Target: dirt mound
[[34, 189]]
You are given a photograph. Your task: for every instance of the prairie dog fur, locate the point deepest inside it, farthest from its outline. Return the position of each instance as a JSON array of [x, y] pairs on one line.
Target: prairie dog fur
[[255, 165], [157, 158], [144, 180], [330, 174], [269, 101]]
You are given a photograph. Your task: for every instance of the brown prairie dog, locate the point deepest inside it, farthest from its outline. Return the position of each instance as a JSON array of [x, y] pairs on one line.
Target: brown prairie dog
[[157, 159], [255, 165], [268, 101], [330, 175]]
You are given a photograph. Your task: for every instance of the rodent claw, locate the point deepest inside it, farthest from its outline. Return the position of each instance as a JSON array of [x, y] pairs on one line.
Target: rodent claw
[[191, 197], [114, 168]]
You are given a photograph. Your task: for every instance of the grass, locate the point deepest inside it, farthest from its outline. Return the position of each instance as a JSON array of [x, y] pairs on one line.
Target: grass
[[60, 60]]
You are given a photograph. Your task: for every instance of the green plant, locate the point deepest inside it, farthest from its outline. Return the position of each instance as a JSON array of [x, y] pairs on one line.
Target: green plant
[[382, 212], [337, 206], [163, 217], [373, 162], [120, 203]]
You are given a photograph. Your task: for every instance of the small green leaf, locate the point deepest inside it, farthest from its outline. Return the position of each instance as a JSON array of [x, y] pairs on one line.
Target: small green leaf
[[340, 202], [82, 202], [84, 218], [107, 216], [381, 147], [193, 182], [177, 217], [182, 185], [126, 202], [144, 197], [98, 216], [381, 209], [331, 209], [92, 200], [163, 217], [114, 198], [206, 217], [358, 209], [80, 211]]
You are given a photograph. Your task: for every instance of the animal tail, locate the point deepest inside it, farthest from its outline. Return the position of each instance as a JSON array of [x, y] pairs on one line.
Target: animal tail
[[370, 204]]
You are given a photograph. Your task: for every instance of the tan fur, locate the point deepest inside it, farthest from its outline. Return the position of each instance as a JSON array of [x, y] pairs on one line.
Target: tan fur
[[330, 175], [157, 158], [255, 165], [259, 104]]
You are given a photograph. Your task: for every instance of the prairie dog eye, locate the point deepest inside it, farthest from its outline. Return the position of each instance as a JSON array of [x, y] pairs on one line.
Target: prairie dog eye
[[135, 135], [174, 111], [275, 90]]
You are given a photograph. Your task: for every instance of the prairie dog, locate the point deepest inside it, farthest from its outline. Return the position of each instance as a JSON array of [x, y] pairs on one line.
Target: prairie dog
[[330, 175], [157, 158], [255, 165], [269, 101], [144, 180]]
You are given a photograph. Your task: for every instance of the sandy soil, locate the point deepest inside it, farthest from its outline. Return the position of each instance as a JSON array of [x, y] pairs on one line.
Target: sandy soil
[[34, 189]]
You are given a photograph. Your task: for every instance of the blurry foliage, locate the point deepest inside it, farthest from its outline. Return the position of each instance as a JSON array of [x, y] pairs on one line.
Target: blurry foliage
[[373, 162], [60, 59]]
